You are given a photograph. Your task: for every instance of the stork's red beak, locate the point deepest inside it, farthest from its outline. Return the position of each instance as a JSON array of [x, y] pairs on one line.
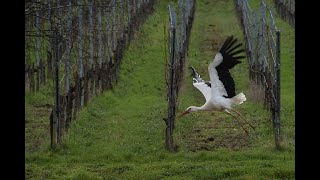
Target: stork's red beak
[[182, 114]]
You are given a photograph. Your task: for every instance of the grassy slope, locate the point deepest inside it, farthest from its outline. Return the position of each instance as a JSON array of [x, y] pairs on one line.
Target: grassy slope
[[121, 133]]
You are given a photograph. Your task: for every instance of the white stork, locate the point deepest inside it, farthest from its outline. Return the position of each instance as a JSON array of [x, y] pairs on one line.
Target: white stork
[[219, 92]]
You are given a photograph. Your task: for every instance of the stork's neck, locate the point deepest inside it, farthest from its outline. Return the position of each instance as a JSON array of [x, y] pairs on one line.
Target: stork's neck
[[201, 108]]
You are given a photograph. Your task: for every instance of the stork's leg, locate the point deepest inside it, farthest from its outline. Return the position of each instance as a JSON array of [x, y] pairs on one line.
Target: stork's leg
[[242, 117], [238, 121]]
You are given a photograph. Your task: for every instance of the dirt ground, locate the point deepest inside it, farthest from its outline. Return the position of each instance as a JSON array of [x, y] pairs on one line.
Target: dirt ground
[[37, 130]]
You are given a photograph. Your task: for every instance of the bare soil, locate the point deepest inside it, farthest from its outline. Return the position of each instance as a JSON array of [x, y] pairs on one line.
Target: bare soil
[[36, 130]]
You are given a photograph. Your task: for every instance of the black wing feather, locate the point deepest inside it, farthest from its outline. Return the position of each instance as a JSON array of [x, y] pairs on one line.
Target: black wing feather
[[233, 41], [237, 52], [235, 47], [227, 41], [226, 79], [239, 57], [229, 51]]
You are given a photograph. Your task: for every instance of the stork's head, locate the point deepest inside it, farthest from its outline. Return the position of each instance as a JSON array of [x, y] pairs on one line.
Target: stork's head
[[188, 110]]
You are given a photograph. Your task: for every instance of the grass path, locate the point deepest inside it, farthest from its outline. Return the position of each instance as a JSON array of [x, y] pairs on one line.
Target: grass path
[[120, 135]]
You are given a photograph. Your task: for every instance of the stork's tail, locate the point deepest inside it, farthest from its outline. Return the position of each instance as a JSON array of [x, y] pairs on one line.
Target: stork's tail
[[238, 99]]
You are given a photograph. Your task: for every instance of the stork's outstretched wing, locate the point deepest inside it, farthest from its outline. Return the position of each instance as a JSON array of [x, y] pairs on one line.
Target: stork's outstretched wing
[[221, 81], [204, 89], [201, 85]]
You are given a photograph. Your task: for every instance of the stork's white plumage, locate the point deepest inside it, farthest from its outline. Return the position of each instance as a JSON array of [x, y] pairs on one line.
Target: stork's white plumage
[[219, 92]]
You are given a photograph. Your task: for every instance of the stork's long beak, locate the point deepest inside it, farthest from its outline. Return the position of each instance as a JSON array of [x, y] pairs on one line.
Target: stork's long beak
[[182, 114]]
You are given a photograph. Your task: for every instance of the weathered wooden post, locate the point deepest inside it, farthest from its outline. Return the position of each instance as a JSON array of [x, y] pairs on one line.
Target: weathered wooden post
[[128, 12], [51, 127], [114, 24], [50, 44], [32, 78], [56, 38], [108, 41], [91, 79], [81, 95], [134, 7], [108, 46], [100, 50], [68, 69], [278, 107], [121, 18], [43, 75], [38, 51], [171, 90]]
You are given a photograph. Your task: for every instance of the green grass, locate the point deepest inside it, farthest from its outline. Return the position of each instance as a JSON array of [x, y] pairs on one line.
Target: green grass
[[120, 135]]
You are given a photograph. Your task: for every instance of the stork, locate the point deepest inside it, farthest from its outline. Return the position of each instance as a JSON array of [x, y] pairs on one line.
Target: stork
[[219, 92]]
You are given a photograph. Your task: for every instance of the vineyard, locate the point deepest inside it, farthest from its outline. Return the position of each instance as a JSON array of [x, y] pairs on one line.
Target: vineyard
[[67, 39], [104, 81]]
